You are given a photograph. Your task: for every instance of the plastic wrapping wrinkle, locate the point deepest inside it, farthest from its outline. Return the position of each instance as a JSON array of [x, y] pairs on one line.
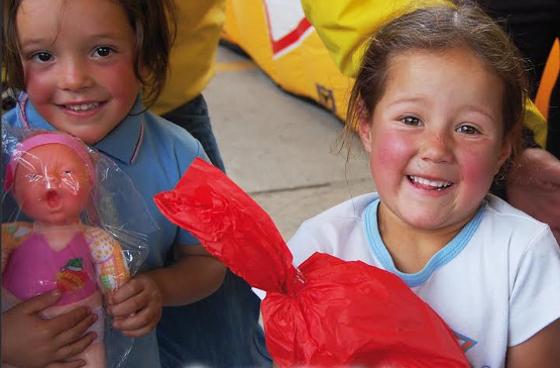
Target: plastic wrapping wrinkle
[[329, 312]]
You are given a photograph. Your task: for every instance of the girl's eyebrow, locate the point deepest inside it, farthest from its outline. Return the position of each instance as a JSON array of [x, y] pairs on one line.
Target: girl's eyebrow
[[478, 110], [33, 42], [39, 41], [105, 35], [403, 100]]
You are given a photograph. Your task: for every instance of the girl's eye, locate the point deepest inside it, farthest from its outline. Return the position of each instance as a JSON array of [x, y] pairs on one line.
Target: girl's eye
[[102, 51], [410, 120], [42, 56], [467, 129]]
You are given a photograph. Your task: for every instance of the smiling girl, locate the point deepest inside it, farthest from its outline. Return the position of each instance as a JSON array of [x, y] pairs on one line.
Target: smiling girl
[[84, 67], [438, 105]]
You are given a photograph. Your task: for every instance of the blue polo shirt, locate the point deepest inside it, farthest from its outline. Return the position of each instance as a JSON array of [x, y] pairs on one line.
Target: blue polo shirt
[[154, 153]]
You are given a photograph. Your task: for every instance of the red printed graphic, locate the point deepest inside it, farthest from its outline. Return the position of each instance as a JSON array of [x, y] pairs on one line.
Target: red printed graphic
[[72, 276]]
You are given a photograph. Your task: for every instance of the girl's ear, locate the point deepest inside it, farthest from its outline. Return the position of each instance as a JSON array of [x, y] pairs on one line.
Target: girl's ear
[[505, 152], [364, 126]]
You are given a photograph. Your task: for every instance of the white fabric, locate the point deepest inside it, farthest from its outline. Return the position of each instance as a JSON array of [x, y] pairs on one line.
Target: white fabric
[[498, 291]]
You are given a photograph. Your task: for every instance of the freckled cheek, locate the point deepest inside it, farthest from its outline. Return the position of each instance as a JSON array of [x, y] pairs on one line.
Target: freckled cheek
[[390, 153]]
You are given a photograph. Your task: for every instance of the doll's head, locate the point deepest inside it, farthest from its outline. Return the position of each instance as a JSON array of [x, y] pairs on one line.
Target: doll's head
[[51, 176]]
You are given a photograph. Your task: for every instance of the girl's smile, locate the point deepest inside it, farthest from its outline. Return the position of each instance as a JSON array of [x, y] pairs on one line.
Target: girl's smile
[[423, 183]]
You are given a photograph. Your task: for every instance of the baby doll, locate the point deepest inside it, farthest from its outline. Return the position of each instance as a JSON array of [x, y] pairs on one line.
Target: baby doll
[[51, 176]]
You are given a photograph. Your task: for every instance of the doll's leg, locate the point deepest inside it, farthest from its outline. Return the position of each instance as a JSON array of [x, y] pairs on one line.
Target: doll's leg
[[94, 355]]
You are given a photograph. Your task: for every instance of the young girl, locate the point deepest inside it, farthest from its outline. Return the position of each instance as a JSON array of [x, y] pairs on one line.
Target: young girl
[[438, 104], [83, 65]]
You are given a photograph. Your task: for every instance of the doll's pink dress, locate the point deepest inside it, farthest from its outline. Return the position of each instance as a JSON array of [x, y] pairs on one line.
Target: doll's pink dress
[[36, 268]]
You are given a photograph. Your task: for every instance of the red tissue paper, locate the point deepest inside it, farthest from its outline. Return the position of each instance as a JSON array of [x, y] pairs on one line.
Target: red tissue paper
[[329, 312]]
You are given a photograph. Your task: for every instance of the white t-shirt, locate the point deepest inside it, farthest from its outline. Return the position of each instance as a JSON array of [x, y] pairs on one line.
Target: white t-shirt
[[496, 284]]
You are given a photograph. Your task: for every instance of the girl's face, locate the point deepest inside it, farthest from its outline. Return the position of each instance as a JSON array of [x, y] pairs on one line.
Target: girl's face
[[52, 184], [435, 138], [78, 61]]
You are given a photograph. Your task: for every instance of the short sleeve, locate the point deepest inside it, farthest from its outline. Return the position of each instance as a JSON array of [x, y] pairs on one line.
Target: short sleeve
[[303, 244], [185, 158], [535, 296]]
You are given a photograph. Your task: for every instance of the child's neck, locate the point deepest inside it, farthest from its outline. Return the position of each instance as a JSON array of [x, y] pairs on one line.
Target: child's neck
[[411, 248]]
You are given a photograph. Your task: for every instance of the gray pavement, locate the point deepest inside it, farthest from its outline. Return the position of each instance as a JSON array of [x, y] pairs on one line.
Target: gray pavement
[[279, 148]]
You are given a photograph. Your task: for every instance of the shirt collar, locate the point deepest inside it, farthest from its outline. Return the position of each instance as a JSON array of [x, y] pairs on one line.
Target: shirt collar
[[122, 143]]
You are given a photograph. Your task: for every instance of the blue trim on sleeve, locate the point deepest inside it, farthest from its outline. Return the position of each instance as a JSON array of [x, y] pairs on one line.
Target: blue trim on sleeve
[[442, 257]]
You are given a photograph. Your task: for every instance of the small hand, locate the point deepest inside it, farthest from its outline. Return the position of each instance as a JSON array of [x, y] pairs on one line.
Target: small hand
[[31, 341], [534, 187], [136, 306]]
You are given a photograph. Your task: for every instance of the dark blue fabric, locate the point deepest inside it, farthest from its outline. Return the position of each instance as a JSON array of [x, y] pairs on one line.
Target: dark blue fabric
[[193, 116], [221, 330]]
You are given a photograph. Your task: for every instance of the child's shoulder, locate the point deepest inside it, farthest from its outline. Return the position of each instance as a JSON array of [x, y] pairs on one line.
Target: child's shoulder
[[165, 128], [9, 117], [501, 212], [515, 229], [169, 135], [348, 212]]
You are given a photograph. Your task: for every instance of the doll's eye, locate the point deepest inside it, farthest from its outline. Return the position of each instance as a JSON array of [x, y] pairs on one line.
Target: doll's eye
[[33, 177]]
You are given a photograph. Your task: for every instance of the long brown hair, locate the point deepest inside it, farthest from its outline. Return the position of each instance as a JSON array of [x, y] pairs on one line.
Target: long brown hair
[[153, 22]]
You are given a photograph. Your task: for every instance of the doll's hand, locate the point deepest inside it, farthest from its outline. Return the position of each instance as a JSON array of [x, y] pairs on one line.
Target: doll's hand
[[534, 187], [136, 306], [30, 341]]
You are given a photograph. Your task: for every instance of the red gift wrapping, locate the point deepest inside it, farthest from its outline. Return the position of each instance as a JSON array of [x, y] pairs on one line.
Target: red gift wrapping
[[329, 312]]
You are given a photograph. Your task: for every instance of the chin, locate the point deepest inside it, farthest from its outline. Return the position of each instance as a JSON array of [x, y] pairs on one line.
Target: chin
[[425, 221]]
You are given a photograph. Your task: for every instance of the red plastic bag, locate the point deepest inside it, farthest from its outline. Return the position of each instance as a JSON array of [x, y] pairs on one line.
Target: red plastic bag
[[330, 312]]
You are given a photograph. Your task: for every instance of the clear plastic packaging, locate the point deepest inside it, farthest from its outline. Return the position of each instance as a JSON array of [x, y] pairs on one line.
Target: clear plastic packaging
[[62, 229]]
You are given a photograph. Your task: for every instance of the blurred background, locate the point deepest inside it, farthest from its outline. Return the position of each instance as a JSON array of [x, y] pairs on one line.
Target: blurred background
[[280, 148]]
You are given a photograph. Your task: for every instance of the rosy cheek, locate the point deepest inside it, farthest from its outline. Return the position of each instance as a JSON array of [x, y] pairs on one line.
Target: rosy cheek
[[125, 72], [390, 152], [478, 169]]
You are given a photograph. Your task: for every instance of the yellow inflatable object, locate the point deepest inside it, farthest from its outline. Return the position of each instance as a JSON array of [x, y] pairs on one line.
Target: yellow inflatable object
[[313, 48], [346, 25]]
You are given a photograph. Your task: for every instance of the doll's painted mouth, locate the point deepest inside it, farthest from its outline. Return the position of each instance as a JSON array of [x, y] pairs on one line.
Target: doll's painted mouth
[[53, 199]]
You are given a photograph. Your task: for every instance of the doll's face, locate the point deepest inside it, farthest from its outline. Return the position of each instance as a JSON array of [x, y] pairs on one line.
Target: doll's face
[[51, 184]]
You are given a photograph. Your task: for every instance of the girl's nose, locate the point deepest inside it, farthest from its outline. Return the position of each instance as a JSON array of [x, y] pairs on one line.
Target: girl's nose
[[437, 147], [73, 75]]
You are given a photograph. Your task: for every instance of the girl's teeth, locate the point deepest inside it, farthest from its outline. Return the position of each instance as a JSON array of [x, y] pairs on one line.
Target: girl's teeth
[[432, 183], [82, 107]]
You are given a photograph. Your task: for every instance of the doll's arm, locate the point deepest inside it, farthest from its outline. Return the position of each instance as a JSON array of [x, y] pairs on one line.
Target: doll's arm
[[112, 270], [13, 233]]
